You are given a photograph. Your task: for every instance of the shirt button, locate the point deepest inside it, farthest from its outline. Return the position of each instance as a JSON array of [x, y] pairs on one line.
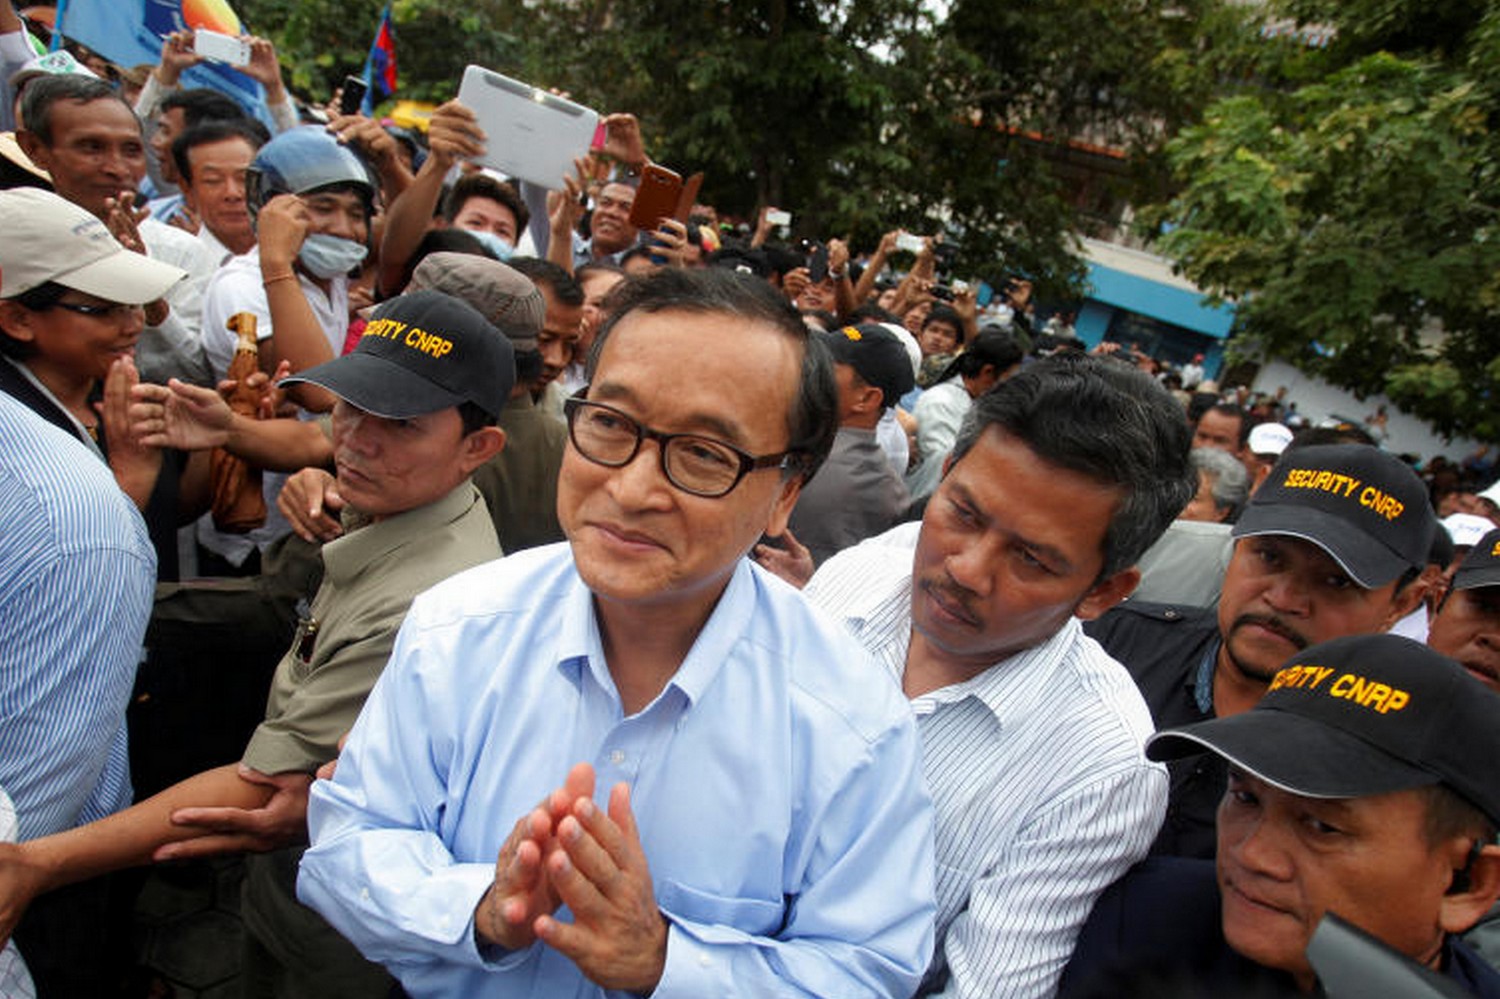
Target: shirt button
[[617, 756], [704, 960], [364, 894]]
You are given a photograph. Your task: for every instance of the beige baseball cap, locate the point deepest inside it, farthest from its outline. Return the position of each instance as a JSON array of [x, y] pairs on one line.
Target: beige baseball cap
[[49, 238]]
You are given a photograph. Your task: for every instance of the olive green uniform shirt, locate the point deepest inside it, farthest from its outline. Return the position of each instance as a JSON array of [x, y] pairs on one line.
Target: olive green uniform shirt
[[370, 576]]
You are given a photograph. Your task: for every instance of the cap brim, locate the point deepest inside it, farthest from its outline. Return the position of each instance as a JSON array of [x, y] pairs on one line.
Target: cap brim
[[1368, 562], [1474, 578], [125, 277], [1294, 753], [377, 385]]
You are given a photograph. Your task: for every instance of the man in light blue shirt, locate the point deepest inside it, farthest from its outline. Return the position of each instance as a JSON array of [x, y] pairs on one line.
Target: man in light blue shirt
[[691, 787]]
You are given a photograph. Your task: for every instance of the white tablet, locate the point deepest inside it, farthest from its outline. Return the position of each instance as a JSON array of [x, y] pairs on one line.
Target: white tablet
[[529, 133]]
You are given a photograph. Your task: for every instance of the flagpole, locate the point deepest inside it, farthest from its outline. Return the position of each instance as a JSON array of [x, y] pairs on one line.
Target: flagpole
[[60, 12]]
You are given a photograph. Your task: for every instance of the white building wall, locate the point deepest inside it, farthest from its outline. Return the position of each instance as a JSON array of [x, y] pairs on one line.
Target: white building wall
[[1317, 400]]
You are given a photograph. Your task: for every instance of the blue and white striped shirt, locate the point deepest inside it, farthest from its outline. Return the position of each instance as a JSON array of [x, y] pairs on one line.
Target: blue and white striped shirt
[[77, 576], [1037, 770]]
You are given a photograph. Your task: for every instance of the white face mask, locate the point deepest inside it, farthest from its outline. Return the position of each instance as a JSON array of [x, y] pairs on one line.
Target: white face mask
[[499, 246], [329, 256]]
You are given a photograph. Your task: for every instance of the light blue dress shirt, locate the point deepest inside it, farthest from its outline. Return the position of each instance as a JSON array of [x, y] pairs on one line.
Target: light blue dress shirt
[[777, 790], [77, 576]]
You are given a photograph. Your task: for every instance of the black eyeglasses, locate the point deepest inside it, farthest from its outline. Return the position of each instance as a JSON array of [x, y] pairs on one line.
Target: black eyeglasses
[[111, 310], [698, 465]]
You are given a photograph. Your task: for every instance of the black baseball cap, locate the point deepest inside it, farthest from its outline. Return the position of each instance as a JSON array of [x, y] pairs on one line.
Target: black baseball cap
[[1357, 716], [420, 353], [876, 355], [1481, 567], [1365, 508]]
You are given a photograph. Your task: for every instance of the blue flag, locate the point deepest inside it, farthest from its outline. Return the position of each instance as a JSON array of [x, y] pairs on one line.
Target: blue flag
[[129, 32], [380, 66]]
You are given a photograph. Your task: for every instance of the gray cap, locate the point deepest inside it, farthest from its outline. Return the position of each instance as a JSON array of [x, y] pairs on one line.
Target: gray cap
[[501, 294]]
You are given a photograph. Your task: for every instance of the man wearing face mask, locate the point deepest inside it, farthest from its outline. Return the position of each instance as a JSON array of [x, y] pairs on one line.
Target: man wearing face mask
[[311, 198]]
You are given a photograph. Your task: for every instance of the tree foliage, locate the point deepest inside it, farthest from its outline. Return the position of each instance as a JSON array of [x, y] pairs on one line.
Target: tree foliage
[[1348, 202], [977, 118]]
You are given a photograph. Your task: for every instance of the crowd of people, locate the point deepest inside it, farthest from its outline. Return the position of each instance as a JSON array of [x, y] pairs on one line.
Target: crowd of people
[[680, 610]]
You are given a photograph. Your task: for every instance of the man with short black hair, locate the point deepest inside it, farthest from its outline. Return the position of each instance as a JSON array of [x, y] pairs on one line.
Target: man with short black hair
[[212, 160], [1332, 544], [1361, 786], [1224, 426], [736, 803], [89, 141], [988, 360], [180, 111], [856, 494], [1032, 737], [561, 328], [489, 208]]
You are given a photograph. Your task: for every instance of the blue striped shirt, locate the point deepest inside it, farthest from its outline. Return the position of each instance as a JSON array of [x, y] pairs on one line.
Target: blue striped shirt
[[77, 576]]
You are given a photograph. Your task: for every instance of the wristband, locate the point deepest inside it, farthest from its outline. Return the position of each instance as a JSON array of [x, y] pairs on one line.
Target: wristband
[[267, 282]]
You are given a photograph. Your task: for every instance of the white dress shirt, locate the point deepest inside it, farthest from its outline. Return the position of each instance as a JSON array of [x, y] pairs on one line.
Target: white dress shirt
[[1036, 767]]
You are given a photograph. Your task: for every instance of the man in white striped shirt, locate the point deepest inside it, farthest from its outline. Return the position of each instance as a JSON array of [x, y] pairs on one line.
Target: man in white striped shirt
[[1032, 736]]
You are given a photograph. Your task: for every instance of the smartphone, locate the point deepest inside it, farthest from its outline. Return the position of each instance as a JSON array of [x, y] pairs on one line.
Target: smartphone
[[817, 264], [601, 136], [942, 293], [656, 197], [908, 241], [352, 95], [219, 47], [778, 217]]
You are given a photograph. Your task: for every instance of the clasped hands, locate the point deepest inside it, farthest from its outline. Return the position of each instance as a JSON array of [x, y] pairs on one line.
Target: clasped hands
[[567, 852]]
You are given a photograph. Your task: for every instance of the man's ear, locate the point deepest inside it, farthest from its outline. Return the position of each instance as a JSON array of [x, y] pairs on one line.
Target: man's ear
[[15, 319], [1473, 895], [1108, 592], [480, 446], [781, 510], [1406, 601], [33, 148], [870, 400]]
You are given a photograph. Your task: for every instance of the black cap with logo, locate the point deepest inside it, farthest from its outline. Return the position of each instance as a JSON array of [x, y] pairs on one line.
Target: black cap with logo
[[1357, 716], [1362, 506], [876, 355], [420, 353]]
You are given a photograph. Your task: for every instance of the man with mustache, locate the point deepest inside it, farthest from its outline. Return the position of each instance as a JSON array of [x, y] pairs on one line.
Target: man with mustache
[[1032, 737], [1361, 786], [1333, 543]]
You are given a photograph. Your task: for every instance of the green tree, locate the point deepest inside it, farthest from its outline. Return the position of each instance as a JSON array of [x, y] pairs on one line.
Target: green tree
[[1347, 201]]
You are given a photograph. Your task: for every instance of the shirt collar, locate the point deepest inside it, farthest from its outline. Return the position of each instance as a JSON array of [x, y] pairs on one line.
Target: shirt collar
[[1012, 683], [346, 557], [581, 646]]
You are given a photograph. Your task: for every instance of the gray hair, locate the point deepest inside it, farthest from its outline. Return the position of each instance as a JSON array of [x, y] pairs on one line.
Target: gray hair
[[1227, 478]]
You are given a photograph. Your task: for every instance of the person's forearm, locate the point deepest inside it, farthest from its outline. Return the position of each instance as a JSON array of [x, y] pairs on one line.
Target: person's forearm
[[279, 445], [406, 222], [866, 285], [9, 19], [297, 336], [560, 247], [130, 837], [843, 296]]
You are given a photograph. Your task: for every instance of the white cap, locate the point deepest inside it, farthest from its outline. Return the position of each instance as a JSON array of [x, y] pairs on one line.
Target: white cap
[[49, 238], [1269, 438], [1466, 528], [56, 63]]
